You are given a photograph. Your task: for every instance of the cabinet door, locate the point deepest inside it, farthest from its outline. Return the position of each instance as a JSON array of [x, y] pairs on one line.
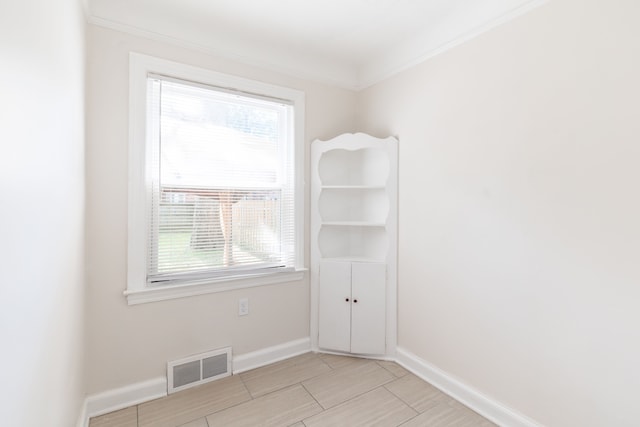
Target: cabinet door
[[334, 311], [368, 309]]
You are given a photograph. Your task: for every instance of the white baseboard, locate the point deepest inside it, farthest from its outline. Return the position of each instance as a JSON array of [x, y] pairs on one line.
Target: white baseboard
[[482, 404], [123, 397], [133, 394], [83, 418], [256, 359]]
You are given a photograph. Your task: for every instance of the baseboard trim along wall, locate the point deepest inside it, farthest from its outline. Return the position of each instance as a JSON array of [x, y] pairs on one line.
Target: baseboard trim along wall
[[123, 397], [482, 404], [256, 359], [83, 418], [133, 394]]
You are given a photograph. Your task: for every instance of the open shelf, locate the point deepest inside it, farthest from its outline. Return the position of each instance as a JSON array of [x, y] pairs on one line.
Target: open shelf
[[365, 166], [367, 206], [353, 242]]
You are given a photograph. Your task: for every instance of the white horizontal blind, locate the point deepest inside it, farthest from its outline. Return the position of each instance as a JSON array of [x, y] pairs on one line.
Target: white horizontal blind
[[222, 182]]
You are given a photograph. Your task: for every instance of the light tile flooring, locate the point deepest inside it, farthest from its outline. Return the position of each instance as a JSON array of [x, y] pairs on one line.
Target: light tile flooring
[[311, 390]]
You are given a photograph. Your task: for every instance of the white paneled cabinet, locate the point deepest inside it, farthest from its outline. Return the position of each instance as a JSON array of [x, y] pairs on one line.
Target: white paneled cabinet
[[353, 244], [335, 306], [352, 307]]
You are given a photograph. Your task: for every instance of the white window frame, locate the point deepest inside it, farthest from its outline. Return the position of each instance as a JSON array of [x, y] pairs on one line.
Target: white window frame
[[138, 291]]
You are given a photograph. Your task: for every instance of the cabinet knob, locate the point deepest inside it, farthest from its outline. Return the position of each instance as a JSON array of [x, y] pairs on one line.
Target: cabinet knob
[[355, 301], [346, 299]]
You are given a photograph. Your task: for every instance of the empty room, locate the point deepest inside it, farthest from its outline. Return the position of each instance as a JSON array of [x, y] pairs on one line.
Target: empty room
[[303, 213]]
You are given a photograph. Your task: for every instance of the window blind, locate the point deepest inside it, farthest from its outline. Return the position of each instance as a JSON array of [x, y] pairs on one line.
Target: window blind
[[221, 182]]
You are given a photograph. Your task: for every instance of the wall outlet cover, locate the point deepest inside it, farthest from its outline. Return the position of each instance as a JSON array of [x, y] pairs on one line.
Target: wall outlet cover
[[243, 306]]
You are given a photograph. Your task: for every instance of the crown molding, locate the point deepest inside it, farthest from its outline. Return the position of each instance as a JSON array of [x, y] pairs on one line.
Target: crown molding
[[376, 73], [345, 76], [332, 75]]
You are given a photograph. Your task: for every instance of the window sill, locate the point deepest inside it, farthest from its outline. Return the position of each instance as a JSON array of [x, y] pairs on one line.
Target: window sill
[[167, 292]]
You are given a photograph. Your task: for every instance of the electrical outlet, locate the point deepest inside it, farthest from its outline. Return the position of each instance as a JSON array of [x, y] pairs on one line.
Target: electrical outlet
[[243, 306]]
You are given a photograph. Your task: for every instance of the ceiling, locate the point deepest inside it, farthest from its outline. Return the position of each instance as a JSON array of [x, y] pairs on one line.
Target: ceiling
[[349, 43]]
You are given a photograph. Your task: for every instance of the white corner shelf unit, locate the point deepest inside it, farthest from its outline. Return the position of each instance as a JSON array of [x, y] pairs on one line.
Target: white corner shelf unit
[[354, 223]]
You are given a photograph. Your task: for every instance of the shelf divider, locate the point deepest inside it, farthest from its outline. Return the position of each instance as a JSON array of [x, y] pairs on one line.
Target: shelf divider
[[354, 223], [353, 187]]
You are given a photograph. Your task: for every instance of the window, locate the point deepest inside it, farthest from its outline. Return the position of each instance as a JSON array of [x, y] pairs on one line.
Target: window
[[216, 192]]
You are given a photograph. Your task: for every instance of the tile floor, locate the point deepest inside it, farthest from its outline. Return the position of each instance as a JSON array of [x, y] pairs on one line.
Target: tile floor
[[311, 390]]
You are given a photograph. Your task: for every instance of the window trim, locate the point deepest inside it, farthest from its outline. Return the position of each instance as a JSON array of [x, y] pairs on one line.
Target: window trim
[[139, 197]]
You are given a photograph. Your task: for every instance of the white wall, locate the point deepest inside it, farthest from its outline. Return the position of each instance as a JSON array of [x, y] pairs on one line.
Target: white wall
[[41, 212], [519, 216], [128, 344]]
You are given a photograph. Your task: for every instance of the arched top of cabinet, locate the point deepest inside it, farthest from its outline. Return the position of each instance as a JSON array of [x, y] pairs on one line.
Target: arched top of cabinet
[[354, 159], [353, 141]]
